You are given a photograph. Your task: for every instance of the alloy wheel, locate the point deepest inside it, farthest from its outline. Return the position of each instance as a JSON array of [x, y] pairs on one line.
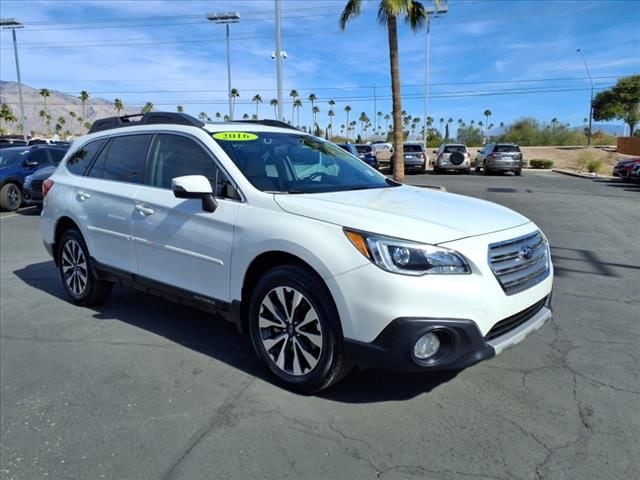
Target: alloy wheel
[[74, 267], [290, 331]]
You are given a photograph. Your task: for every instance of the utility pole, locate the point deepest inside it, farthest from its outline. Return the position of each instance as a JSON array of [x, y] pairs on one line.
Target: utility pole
[[591, 100], [12, 24]]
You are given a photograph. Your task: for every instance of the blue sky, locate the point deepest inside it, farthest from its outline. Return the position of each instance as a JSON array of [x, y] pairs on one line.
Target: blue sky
[[515, 58]]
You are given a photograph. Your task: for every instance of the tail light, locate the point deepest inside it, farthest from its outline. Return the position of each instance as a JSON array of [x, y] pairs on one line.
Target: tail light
[[493, 155], [46, 186]]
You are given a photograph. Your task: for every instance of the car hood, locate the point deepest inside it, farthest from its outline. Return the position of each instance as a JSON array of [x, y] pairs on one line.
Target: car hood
[[43, 173], [411, 213]]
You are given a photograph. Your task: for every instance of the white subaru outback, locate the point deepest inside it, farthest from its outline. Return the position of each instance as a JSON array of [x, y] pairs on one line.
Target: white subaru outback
[[323, 260]]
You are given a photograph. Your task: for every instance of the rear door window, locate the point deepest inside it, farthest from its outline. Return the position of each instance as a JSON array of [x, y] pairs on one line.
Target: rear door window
[[507, 148], [413, 148], [123, 160]]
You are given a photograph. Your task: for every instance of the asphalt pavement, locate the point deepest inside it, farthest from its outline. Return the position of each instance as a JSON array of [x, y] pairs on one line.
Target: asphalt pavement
[[142, 388]]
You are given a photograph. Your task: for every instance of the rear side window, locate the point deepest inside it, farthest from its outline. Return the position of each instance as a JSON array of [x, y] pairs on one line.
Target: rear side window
[[363, 148], [455, 148], [123, 160], [40, 157], [80, 160]]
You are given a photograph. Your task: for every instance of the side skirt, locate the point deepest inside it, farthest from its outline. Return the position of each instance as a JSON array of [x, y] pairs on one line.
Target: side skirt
[[227, 311]]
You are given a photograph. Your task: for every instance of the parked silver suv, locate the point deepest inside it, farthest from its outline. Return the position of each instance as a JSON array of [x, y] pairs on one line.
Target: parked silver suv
[[499, 157]]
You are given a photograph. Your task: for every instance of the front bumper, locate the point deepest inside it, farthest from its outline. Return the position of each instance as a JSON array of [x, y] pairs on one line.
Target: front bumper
[[462, 343]]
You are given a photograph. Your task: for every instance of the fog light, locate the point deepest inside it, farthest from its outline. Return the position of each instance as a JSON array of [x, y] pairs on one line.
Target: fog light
[[426, 346]]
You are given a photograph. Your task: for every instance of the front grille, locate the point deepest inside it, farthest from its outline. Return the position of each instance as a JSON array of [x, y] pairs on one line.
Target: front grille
[[520, 263], [514, 321]]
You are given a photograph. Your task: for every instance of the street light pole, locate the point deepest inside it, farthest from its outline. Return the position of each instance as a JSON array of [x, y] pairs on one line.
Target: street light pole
[[12, 24], [226, 18], [591, 100], [279, 55], [440, 9]]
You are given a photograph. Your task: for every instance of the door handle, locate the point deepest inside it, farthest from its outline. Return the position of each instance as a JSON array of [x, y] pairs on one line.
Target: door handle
[[83, 195], [144, 210]]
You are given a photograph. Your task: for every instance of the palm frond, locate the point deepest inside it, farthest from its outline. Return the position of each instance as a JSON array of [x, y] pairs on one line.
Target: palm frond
[[351, 10]]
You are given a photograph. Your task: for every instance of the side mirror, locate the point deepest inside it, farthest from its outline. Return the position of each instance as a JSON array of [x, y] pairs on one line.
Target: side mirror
[[195, 186]]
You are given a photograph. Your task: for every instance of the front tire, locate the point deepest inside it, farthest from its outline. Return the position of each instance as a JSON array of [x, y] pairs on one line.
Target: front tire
[[295, 329], [518, 173], [77, 272], [10, 197]]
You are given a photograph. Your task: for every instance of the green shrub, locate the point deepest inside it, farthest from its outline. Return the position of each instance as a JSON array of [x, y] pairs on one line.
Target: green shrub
[[546, 164], [584, 158], [594, 166]]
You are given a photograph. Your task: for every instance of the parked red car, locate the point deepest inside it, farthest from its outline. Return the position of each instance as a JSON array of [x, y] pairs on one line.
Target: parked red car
[[623, 168]]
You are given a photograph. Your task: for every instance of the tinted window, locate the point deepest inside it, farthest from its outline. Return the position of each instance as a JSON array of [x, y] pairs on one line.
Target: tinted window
[[455, 148], [40, 157], [413, 148], [82, 158], [123, 159], [507, 148], [364, 148], [175, 156], [56, 155]]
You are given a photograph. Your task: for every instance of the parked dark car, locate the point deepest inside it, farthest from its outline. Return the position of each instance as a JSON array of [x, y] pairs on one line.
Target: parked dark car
[[623, 168], [367, 154], [634, 176], [499, 157], [8, 142], [18, 162], [32, 187], [415, 158], [353, 150]]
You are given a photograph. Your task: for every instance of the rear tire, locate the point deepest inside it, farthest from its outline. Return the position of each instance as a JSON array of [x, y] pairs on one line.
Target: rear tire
[[518, 173], [10, 197], [295, 330], [486, 171], [77, 272]]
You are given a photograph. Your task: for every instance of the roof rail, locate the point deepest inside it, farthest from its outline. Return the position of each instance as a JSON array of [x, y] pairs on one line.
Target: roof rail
[[148, 118], [269, 122]]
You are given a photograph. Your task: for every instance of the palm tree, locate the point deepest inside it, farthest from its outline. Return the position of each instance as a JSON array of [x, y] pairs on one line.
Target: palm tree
[[293, 94], [148, 107], [43, 117], [44, 93], [274, 104], [297, 104], [202, 116], [441, 127], [386, 125], [180, 109], [331, 114], [314, 112], [6, 115], [218, 116], [487, 114], [117, 104], [84, 96], [312, 98], [388, 12], [258, 99], [61, 120], [347, 109], [226, 118], [362, 119], [234, 94], [245, 116]]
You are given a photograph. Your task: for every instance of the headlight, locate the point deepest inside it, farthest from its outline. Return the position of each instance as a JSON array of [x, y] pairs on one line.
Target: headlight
[[27, 179], [407, 258]]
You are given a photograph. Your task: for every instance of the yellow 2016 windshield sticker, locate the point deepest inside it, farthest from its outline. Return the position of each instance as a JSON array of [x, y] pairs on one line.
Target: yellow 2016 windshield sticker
[[235, 136]]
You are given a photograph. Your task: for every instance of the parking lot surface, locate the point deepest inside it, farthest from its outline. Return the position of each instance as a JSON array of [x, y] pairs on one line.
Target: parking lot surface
[[142, 388]]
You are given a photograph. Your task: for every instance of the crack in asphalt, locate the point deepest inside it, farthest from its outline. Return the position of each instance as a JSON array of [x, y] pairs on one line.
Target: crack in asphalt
[[221, 417]]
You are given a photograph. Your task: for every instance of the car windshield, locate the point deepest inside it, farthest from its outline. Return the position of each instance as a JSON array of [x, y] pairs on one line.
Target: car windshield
[[412, 148], [11, 156], [455, 148], [297, 163], [507, 148]]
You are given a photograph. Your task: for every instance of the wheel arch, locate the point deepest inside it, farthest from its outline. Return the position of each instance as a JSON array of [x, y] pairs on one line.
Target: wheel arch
[[261, 265], [64, 223]]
